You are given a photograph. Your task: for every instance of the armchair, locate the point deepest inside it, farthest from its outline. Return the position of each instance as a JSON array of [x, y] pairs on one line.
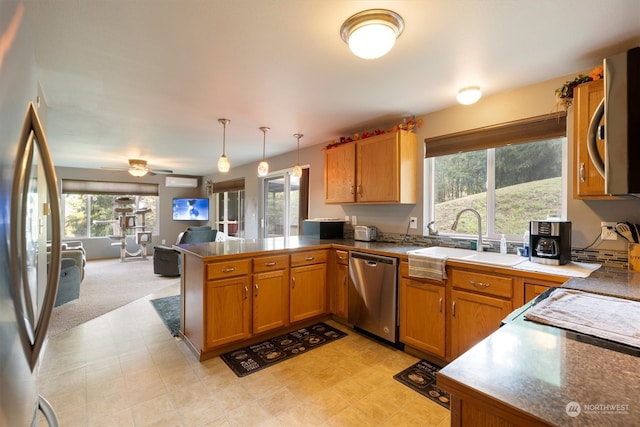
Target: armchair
[[71, 275], [167, 261]]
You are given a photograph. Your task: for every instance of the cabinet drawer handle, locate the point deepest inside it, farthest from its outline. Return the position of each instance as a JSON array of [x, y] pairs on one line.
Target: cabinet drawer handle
[[453, 309], [246, 292], [310, 258], [293, 283], [228, 269], [440, 305], [581, 171], [340, 257], [479, 284], [270, 264], [255, 286]]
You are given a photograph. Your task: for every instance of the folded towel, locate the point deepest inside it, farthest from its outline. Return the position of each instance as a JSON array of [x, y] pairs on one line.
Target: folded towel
[[602, 316], [428, 267]]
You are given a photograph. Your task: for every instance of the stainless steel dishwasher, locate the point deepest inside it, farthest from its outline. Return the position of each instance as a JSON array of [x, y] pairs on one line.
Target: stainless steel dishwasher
[[373, 302]]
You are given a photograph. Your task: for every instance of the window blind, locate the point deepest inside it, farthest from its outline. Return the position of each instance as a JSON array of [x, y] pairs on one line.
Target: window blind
[[516, 132], [76, 186]]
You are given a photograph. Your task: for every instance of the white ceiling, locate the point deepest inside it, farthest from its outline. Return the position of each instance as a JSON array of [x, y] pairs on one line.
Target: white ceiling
[[150, 78]]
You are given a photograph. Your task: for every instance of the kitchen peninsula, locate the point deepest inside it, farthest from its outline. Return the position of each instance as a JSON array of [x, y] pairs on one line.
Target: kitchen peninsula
[[529, 374]]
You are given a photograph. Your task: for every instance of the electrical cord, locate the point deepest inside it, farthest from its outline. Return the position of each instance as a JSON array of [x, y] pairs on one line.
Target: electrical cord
[[591, 244]]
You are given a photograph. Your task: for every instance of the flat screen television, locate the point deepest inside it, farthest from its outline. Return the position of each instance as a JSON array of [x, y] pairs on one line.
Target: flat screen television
[[190, 209]]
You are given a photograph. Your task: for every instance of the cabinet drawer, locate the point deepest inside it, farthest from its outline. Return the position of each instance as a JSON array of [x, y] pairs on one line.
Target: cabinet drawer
[[270, 263], [481, 282], [342, 257], [220, 270], [308, 257]]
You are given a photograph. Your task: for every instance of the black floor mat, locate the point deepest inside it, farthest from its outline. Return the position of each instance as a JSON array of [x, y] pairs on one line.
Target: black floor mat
[[421, 377], [251, 359]]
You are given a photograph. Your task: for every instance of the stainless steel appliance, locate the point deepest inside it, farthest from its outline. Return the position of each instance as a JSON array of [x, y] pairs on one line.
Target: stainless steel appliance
[[29, 216], [373, 295], [365, 233], [621, 110], [550, 242]]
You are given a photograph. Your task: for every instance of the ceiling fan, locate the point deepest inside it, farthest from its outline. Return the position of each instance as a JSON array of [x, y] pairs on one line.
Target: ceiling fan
[[139, 168]]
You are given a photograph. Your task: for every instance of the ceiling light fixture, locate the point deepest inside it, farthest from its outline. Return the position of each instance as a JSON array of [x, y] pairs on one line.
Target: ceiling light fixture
[[263, 166], [223, 161], [297, 169], [372, 33], [469, 95], [138, 168]]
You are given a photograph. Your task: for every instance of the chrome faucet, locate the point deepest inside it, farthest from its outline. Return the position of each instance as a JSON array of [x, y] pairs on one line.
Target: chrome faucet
[[479, 246], [432, 231]]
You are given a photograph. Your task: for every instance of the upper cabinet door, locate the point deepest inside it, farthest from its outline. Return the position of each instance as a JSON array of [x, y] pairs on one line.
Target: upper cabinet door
[[340, 174]]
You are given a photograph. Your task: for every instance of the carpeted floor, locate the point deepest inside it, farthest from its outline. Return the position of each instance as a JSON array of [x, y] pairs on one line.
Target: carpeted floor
[[107, 285]]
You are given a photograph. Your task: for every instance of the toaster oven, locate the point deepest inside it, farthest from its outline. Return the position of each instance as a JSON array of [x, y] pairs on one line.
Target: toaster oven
[[365, 233]]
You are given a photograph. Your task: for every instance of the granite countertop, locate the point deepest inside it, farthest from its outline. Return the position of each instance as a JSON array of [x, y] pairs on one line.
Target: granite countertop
[[541, 369], [250, 246]]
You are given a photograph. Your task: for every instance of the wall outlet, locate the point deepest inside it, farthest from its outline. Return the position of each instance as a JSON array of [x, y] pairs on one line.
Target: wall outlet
[[608, 231], [354, 220], [413, 222]]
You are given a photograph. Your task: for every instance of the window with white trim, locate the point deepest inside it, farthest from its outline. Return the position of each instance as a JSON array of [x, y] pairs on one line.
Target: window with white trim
[[510, 174]]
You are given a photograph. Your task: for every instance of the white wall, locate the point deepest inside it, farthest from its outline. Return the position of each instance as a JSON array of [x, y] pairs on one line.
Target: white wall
[[534, 100]]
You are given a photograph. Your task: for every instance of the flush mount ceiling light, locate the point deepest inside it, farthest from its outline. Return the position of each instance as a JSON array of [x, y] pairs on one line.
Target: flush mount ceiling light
[[223, 162], [469, 95], [372, 33], [297, 169], [263, 166], [138, 167]]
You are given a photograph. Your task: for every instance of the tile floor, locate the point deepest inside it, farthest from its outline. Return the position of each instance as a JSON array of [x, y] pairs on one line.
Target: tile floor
[[125, 369]]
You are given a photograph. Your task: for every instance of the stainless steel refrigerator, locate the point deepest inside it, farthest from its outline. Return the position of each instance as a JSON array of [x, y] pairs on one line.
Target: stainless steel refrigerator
[[29, 220]]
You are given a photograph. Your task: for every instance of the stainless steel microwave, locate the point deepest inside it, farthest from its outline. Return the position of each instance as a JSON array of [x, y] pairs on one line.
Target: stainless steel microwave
[[621, 131]]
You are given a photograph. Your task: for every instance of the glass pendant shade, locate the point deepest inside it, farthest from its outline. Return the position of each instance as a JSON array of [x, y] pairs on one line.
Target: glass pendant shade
[[372, 33], [263, 166], [223, 164], [223, 161], [138, 168]]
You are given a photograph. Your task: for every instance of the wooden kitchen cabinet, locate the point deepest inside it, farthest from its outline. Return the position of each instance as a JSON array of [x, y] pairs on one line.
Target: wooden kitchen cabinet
[[308, 291], [422, 315], [587, 182], [339, 284], [479, 303], [340, 174], [270, 293], [228, 303], [385, 168]]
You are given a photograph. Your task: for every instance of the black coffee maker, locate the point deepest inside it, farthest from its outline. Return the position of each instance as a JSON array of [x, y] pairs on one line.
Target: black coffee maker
[[550, 242]]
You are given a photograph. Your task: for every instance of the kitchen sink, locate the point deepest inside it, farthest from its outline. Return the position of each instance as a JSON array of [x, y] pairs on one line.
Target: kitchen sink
[[468, 255]]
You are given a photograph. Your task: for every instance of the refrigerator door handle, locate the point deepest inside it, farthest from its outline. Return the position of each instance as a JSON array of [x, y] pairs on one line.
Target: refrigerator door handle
[[47, 410], [32, 327]]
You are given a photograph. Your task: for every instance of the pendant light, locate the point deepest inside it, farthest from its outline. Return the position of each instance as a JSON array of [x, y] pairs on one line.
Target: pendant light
[[297, 169], [223, 161], [263, 166]]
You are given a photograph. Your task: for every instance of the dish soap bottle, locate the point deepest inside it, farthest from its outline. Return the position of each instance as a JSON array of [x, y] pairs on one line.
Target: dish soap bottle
[[503, 245]]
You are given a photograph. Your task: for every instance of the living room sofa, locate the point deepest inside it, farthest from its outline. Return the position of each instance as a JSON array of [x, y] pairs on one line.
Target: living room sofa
[[167, 261], [72, 262]]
